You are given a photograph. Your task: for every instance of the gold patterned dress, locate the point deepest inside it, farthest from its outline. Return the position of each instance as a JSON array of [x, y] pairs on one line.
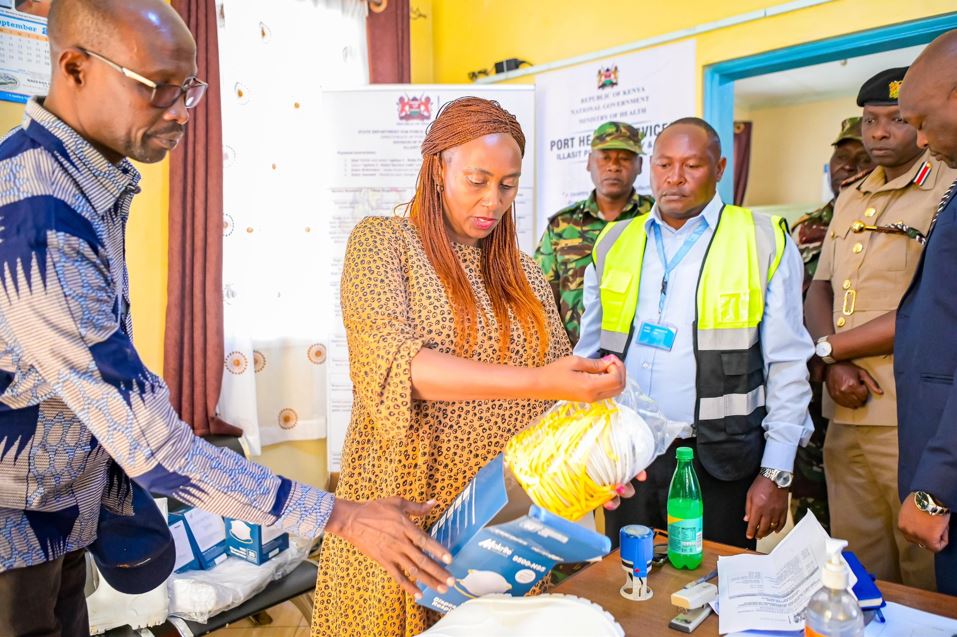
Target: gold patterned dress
[[393, 304]]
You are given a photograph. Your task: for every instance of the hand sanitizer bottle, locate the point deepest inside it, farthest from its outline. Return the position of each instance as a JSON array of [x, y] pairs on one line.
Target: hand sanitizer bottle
[[833, 611]]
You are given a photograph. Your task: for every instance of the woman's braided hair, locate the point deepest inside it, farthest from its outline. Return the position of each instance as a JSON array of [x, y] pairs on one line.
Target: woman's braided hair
[[458, 122]]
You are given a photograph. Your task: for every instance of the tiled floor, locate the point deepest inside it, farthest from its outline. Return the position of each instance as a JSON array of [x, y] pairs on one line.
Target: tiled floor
[[287, 621]]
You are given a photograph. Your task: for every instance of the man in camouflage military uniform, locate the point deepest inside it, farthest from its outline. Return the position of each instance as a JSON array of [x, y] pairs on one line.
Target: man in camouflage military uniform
[[565, 248], [849, 162]]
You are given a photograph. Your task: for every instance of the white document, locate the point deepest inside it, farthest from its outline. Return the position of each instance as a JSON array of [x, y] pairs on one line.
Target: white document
[[208, 528], [184, 552], [902, 621], [771, 592]]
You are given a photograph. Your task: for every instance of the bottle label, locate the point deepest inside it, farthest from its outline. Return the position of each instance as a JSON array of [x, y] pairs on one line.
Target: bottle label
[[810, 632], [684, 536]]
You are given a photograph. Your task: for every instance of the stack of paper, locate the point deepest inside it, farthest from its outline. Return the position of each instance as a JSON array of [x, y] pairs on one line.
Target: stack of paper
[[771, 592]]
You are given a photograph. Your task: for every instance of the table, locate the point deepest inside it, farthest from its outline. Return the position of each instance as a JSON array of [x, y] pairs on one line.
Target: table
[[600, 582]]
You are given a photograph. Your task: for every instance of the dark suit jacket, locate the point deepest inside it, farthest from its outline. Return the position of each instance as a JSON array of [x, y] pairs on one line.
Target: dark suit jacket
[[925, 365]]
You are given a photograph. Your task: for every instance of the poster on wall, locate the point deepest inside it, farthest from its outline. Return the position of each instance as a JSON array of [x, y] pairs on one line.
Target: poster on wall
[[647, 89], [24, 49], [372, 146]]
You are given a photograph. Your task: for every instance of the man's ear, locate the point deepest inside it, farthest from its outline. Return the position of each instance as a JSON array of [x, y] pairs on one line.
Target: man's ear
[[722, 165], [72, 66], [639, 162]]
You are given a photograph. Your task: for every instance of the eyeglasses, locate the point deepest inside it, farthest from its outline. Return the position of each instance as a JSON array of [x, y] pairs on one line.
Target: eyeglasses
[[163, 95]]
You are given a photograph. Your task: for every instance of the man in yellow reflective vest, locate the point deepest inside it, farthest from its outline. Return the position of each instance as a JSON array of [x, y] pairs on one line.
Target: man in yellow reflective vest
[[702, 301]]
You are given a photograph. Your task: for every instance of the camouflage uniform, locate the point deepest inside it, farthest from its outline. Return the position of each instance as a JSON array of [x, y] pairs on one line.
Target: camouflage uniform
[[565, 251], [565, 248], [811, 247], [809, 488]]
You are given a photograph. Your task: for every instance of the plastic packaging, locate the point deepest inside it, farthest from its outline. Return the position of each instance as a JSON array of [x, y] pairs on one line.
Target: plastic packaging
[[685, 514], [198, 595], [833, 611], [571, 460]]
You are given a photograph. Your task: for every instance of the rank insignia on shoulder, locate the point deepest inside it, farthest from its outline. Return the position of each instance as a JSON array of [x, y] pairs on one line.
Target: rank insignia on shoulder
[[923, 173]]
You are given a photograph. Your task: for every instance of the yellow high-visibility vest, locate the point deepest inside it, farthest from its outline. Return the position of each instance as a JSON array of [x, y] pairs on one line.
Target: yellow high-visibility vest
[[744, 254]]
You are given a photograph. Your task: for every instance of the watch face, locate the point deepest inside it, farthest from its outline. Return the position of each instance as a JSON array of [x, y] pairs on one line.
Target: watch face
[[823, 349], [922, 501], [784, 480]]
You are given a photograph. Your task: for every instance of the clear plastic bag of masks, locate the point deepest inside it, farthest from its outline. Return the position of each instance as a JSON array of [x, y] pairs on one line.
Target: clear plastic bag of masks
[[571, 460]]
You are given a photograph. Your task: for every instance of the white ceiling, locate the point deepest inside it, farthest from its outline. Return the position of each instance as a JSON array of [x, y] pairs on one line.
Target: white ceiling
[[818, 82]]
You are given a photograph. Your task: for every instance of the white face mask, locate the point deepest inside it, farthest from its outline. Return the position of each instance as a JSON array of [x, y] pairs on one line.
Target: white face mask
[[526, 617], [480, 583], [240, 530]]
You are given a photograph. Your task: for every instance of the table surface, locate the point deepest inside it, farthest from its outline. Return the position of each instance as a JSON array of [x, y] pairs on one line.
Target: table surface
[[601, 581]]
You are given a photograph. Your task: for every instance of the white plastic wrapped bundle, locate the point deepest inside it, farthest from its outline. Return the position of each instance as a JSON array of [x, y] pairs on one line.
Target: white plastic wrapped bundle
[[572, 459]]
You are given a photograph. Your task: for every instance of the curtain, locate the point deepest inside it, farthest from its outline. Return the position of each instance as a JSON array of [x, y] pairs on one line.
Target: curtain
[[390, 57], [276, 58], [742, 160], [193, 346]]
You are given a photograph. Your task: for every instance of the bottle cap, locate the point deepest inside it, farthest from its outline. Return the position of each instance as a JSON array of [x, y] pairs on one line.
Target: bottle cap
[[684, 453], [834, 574]]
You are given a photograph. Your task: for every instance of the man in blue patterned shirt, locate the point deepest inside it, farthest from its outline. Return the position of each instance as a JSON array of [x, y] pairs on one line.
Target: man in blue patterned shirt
[[79, 411]]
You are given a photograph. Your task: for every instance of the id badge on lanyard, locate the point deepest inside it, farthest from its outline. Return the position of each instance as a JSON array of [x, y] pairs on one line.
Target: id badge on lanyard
[[660, 334]]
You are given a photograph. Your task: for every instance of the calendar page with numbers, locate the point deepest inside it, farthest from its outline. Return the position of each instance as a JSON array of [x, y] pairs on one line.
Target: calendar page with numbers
[[24, 51]]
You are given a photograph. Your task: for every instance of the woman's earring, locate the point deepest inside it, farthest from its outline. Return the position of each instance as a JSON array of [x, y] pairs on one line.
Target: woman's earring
[[439, 187]]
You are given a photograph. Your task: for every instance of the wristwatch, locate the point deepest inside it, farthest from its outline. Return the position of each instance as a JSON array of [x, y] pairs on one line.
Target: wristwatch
[[926, 503], [823, 350], [778, 477]]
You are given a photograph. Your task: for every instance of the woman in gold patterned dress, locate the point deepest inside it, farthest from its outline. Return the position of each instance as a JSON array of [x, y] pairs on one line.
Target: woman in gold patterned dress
[[455, 345]]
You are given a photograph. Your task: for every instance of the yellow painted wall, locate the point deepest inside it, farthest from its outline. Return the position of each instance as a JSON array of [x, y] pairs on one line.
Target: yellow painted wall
[[420, 28], [10, 115], [789, 146], [473, 35], [147, 238]]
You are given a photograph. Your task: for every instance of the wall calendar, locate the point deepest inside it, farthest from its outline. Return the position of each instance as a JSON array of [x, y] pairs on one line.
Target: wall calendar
[[24, 49]]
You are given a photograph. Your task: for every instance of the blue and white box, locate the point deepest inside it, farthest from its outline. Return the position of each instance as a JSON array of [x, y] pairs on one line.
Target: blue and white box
[[501, 543], [206, 534], [254, 543]]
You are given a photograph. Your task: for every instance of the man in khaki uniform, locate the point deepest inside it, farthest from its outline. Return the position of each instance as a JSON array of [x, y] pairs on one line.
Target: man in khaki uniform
[[867, 261]]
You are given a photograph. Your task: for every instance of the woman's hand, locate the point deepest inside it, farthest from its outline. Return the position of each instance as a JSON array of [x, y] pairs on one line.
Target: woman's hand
[[624, 491], [582, 379], [382, 530]]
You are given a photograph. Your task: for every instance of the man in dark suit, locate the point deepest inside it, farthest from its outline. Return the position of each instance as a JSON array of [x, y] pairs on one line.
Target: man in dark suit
[[925, 347]]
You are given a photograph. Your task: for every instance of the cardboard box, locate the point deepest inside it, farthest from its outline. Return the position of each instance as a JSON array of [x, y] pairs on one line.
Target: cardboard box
[[206, 534], [502, 543], [254, 543]]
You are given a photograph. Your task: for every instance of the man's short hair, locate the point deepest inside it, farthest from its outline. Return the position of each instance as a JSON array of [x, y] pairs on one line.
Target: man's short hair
[[713, 139]]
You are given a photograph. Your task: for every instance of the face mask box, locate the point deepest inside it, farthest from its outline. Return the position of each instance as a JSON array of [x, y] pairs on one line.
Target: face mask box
[[206, 535], [502, 543], [254, 543]]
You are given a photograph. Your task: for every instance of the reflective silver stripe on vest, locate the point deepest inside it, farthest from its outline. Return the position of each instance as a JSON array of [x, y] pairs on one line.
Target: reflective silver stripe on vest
[[604, 246], [731, 405], [742, 338], [765, 242], [613, 341]]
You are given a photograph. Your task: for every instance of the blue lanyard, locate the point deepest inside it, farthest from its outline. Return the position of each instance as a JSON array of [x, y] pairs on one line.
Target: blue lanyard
[[669, 266]]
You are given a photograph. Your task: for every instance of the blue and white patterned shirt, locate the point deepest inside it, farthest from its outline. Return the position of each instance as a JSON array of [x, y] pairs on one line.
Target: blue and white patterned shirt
[[75, 398]]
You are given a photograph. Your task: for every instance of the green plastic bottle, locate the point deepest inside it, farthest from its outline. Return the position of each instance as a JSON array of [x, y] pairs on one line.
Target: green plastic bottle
[[685, 509]]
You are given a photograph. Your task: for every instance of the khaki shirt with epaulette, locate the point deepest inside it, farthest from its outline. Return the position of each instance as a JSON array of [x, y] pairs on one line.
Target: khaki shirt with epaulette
[[869, 272]]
